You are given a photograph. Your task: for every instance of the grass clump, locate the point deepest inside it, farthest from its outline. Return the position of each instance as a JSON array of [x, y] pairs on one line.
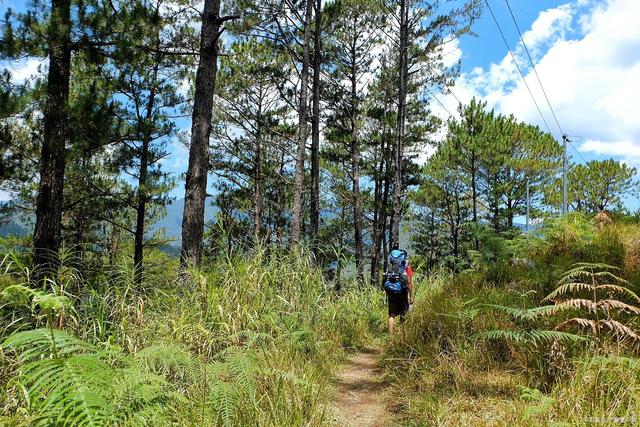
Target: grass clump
[[249, 340], [546, 336]]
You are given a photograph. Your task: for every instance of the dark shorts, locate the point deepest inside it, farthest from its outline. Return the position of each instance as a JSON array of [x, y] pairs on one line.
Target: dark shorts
[[398, 303]]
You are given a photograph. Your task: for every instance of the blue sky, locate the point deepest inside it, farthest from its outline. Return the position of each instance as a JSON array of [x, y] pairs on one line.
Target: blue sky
[[587, 53]]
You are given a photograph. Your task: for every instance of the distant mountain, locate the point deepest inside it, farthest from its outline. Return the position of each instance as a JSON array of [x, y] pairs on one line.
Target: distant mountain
[[172, 222], [13, 228]]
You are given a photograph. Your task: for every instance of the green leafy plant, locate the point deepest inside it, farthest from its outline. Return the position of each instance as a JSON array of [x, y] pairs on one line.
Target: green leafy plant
[[63, 379]]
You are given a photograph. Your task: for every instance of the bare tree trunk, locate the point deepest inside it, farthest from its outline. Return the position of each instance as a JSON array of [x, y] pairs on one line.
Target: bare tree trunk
[[141, 208], [385, 203], [257, 181], [379, 218], [280, 222], [196, 179], [47, 232], [315, 131], [474, 196], [141, 213], [355, 168], [297, 217], [402, 109]]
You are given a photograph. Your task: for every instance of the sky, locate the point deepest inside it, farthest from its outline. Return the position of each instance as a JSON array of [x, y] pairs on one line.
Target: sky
[[586, 54]]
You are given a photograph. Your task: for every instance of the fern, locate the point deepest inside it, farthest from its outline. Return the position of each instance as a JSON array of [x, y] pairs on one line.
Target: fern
[[232, 385], [598, 279], [526, 314], [539, 403], [171, 360], [62, 383], [533, 338], [38, 343]]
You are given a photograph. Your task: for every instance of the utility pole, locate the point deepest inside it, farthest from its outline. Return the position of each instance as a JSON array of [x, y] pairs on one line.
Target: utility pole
[[564, 174], [527, 223]]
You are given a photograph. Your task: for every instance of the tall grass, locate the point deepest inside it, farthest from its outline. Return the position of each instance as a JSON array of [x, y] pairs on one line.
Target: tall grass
[[248, 340], [441, 372]]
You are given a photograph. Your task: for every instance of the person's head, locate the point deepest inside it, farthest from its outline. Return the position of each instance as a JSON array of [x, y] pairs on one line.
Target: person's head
[[395, 247]]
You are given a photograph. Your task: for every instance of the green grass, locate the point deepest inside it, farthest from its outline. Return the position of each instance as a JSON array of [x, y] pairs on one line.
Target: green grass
[[255, 339], [248, 340]]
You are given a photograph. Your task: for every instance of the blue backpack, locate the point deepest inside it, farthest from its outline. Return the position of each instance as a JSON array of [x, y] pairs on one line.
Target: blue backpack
[[396, 279]]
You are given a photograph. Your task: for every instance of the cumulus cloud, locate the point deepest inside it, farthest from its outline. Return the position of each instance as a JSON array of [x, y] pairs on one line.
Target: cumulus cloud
[[587, 54], [24, 69]]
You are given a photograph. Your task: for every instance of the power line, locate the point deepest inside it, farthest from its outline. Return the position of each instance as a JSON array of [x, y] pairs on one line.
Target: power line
[[575, 149], [504, 39], [544, 92], [453, 94], [433, 95], [533, 66]]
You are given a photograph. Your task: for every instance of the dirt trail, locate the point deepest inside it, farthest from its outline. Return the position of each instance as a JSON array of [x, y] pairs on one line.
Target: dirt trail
[[358, 400]]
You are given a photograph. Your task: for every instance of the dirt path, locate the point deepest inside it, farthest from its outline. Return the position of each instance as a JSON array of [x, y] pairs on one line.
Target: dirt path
[[359, 392]]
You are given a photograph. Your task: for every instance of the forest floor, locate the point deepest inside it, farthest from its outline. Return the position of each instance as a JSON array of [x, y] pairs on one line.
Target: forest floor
[[359, 392]]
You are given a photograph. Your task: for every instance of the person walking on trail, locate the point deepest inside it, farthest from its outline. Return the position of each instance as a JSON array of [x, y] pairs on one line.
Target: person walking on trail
[[398, 285]]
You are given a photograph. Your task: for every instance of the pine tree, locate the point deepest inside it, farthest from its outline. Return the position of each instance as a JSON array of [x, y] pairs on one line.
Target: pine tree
[[70, 28], [147, 81], [196, 179], [248, 118], [353, 28], [419, 30]]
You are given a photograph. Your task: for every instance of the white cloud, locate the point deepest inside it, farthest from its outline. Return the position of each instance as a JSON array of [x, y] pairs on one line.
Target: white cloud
[[24, 69], [587, 55], [628, 151], [6, 196]]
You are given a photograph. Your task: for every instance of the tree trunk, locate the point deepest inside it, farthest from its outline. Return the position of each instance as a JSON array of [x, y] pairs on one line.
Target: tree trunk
[[402, 108], [280, 221], [386, 195], [141, 213], [474, 196], [355, 167], [257, 180], [196, 179], [141, 208], [297, 217], [315, 132], [47, 234], [379, 218]]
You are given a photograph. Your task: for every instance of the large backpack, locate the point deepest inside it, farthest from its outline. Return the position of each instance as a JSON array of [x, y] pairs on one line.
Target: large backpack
[[396, 279]]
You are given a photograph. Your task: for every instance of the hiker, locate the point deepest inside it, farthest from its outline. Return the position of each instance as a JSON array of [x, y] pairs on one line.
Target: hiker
[[397, 283]]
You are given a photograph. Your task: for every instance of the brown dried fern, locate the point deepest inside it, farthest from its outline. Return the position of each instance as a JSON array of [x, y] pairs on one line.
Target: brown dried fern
[[602, 285]]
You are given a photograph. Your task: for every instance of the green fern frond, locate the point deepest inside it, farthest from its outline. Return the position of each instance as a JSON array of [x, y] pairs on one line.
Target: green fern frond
[[85, 408], [527, 314], [224, 398], [171, 360], [518, 337], [534, 337], [243, 367], [44, 342], [73, 389]]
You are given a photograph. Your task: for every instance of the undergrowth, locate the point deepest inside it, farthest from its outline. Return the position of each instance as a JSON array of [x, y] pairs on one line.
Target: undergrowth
[[249, 340], [545, 335]]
